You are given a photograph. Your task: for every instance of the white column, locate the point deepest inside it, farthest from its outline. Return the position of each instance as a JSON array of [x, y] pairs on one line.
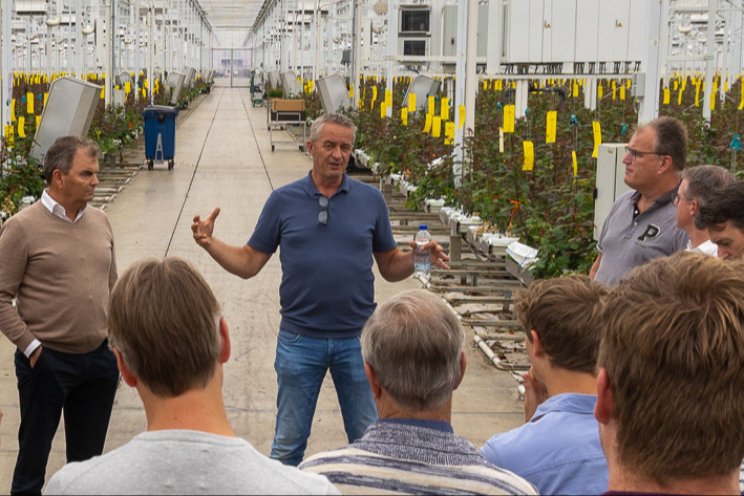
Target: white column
[[462, 29], [649, 107], [710, 57], [495, 35], [392, 23]]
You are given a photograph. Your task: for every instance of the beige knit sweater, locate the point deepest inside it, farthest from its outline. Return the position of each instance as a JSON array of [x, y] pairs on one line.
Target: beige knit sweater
[[61, 275]]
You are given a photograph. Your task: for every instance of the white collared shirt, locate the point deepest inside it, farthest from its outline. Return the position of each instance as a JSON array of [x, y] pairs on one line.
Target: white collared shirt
[[707, 247], [58, 210]]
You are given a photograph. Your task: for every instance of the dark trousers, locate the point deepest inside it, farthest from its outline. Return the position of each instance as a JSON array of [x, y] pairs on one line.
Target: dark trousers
[[83, 386]]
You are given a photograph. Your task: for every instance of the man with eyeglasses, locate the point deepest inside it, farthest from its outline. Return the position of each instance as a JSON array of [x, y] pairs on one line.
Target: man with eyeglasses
[[723, 217], [642, 224], [698, 187], [329, 228]]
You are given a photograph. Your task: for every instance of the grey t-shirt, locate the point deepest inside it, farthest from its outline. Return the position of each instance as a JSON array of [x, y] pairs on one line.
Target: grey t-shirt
[[185, 462], [627, 241]]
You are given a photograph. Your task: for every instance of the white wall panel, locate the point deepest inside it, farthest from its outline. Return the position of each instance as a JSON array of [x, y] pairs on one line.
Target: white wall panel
[[587, 30], [535, 27], [518, 38], [559, 40]]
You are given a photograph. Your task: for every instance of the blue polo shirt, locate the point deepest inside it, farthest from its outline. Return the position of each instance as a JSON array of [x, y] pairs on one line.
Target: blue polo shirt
[[327, 288], [558, 450]]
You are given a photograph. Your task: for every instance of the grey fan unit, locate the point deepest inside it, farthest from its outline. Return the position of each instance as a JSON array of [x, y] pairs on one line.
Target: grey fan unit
[[68, 112], [333, 93], [422, 87]]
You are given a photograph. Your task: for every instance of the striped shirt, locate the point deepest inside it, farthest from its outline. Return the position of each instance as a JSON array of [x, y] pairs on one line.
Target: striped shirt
[[398, 458]]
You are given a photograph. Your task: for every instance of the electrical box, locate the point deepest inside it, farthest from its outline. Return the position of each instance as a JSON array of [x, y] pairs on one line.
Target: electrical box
[[188, 77], [610, 181], [422, 87], [274, 78], [333, 93], [68, 112], [449, 27], [175, 82], [290, 84]]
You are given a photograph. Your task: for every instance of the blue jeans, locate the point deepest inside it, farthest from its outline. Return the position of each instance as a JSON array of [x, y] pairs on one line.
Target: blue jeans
[[301, 364]]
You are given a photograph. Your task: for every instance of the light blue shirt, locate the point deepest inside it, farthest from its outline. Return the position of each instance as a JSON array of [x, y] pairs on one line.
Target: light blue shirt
[[558, 450]]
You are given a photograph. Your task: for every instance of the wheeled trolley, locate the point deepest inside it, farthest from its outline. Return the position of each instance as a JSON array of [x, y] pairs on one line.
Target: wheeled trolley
[[282, 112], [160, 134]]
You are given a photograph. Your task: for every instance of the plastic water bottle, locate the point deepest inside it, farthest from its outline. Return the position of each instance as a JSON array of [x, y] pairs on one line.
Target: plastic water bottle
[[421, 255]]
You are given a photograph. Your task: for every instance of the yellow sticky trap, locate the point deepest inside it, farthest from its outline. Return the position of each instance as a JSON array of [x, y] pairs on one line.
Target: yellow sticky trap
[[597, 129], [509, 118], [529, 155], [600, 91], [430, 103], [383, 109], [21, 126], [741, 98], [29, 103], [127, 87], [445, 108], [427, 123], [102, 94], [9, 134], [461, 116], [436, 126], [498, 85], [389, 98], [412, 102], [144, 93], [404, 116], [38, 120], [501, 140], [551, 124], [697, 95], [726, 86], [675, 84], [622, 93], [449, 132], [374, 93], [13, 105], [667, 96], [575, 89], [575, 163], [679, 95], [485, 84]]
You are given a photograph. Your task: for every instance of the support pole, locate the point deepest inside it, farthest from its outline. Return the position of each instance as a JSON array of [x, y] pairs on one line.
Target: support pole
[[710, 59]]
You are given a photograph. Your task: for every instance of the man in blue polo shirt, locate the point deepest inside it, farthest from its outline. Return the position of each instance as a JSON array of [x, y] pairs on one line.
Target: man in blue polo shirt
[[329, 228], [642, 224], [558, 449]]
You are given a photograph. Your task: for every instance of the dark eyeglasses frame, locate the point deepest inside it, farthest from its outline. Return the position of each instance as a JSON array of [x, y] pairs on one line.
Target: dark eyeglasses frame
[[323, 214], [639, 154]]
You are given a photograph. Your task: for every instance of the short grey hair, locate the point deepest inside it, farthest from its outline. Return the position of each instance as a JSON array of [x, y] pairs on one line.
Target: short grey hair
[[61, 154], [339, 119], [413, 342], [706, 181]]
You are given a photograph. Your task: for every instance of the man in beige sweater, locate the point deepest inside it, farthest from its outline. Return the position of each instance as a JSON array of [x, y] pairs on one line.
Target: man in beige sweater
[[59, 266]]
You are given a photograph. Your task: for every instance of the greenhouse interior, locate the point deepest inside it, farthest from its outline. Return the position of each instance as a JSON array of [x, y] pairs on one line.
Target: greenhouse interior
[[510, 130]]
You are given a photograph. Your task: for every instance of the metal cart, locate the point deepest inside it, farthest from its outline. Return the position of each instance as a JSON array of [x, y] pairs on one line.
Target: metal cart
[[281, 112]]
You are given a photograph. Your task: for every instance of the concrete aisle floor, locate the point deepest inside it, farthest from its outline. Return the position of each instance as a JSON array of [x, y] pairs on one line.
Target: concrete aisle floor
[[224, 158]]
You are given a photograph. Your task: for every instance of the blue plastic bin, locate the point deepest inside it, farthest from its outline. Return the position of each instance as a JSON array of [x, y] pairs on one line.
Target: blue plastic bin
[[160, 134]]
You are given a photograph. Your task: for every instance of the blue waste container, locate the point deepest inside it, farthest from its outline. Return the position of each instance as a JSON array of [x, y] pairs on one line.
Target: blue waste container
[[160, 134]]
